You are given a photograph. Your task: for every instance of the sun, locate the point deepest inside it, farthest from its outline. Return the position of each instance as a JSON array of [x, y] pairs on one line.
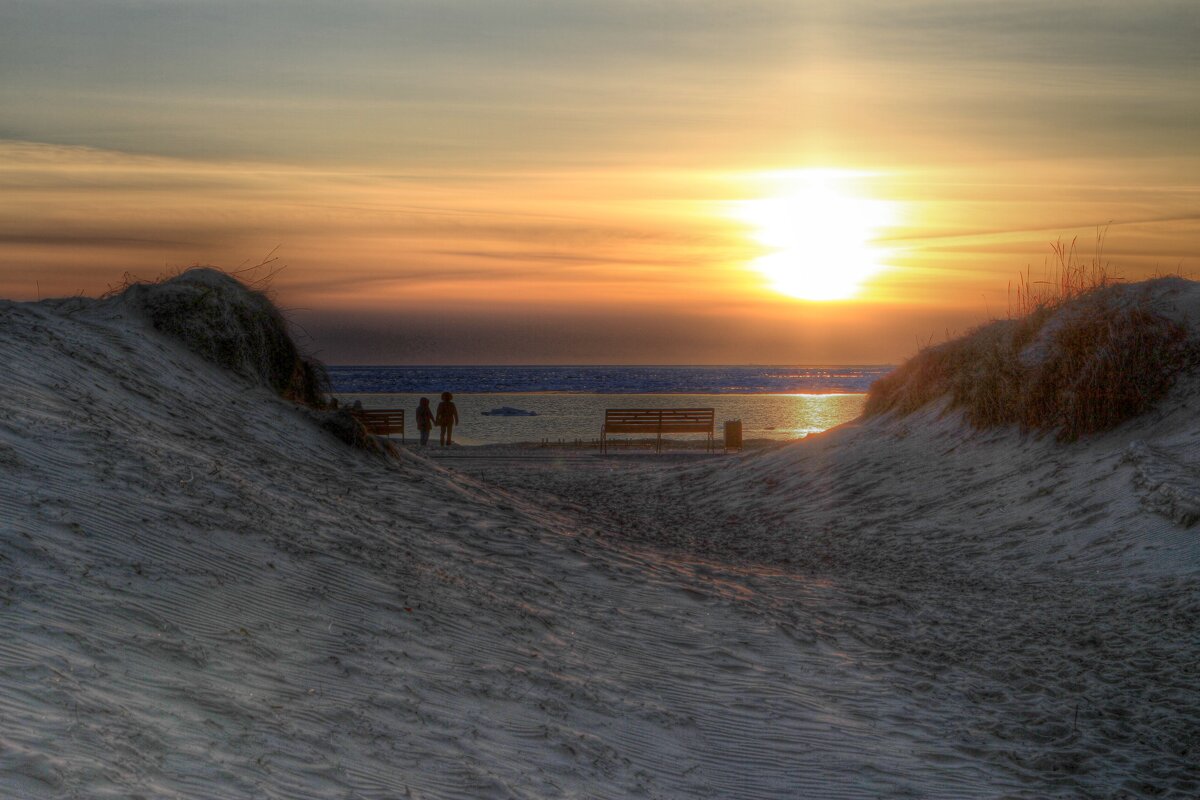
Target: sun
[[819, 232]]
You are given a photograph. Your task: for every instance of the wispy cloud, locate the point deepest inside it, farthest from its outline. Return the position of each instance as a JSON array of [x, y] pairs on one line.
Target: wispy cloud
[[541, 155]]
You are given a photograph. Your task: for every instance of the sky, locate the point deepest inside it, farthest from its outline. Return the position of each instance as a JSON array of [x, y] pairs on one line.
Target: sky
[[521, 182]]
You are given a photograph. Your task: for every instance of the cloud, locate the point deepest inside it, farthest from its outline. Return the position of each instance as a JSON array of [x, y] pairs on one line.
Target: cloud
[[542, 154], [573, 335], [526, 83], [56, 240]]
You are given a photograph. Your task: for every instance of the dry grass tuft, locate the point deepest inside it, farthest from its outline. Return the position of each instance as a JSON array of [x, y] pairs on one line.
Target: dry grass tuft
[[232, 325], [1068, 276], [1080, 362]]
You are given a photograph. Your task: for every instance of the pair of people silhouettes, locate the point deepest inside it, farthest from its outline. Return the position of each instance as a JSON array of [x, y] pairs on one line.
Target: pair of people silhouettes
[[445, 418]]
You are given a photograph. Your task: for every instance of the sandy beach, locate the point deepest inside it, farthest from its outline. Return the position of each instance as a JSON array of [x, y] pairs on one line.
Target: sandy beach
[[205, 594], [821, 384]]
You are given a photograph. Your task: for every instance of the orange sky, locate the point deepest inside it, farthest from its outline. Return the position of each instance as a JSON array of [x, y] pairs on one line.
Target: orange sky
[[536, 182]]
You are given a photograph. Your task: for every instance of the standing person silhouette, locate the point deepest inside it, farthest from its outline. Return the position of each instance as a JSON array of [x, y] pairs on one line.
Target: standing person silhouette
[[424, 420], [447, 418]]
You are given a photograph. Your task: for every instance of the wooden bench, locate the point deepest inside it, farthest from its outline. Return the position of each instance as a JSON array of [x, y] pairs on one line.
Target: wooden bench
[[381, 421], [657, 421]]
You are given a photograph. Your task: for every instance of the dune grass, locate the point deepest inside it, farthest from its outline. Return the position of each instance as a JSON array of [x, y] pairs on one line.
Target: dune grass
[[232, 325], [1064, 278], [1082, 354]]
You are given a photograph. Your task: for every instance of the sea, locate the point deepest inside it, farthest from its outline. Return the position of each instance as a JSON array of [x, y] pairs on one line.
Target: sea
[[565, 404]]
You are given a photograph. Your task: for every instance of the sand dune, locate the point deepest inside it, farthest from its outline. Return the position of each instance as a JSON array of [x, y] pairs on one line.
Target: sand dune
[[203, 594]]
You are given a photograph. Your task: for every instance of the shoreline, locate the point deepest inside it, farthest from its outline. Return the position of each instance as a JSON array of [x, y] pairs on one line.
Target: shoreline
[[465, 393], [579, 416], [642, 447]]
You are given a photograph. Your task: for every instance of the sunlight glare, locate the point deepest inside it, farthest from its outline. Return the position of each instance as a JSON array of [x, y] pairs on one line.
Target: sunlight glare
[[820, 234]]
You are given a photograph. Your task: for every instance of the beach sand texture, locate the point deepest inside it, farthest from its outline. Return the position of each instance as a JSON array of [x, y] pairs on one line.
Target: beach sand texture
[[203, 594]]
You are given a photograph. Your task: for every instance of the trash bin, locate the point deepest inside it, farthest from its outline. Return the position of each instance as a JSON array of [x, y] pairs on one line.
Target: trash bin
[[733, 435]]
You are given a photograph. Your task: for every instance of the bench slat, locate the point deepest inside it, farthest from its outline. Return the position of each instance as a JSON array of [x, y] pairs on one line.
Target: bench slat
[[658, 421], [381, 421]]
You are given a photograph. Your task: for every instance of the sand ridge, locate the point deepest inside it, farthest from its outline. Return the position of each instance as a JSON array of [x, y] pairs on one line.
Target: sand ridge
[[203, 595]]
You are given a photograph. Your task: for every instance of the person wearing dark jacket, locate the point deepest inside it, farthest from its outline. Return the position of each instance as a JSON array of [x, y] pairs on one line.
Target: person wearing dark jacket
[[424, 420], [447, 418]]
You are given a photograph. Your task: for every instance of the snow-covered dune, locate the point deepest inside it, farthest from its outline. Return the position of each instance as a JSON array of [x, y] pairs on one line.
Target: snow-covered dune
[[205, 594]]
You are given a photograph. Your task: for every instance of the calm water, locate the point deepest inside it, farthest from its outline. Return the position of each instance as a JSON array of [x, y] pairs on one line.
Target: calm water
[[608, 380], [773, 402]]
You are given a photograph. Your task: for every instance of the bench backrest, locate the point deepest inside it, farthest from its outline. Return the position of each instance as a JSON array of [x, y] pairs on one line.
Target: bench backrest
[[381, 421], [659, 420]]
